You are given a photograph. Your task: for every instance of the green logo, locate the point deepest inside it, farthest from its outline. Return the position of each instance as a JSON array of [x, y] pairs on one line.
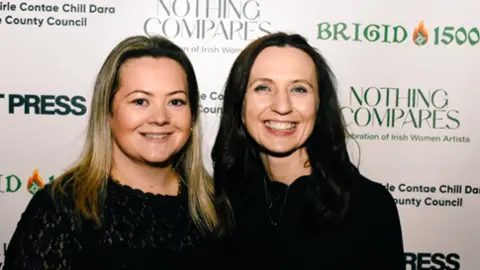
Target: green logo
[[420, 35], [394, 107], [397, 34], [12, 183], [391, 109]]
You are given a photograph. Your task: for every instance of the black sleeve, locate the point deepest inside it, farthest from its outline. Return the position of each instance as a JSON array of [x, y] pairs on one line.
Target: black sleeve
[[385, 234], [45, 237]]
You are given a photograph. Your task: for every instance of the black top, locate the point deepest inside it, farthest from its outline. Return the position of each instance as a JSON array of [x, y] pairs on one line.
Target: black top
[[141, 231], [369, 237]]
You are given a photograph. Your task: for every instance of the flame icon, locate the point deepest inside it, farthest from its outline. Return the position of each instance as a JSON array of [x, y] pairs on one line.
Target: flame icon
[[420, 35], [35, 182]]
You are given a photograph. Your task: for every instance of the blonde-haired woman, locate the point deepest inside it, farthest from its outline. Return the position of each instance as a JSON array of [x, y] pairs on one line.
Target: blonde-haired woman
[[139, 196]]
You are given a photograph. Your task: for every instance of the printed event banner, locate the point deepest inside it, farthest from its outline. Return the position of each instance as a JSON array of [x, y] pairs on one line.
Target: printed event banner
[[407, 76]]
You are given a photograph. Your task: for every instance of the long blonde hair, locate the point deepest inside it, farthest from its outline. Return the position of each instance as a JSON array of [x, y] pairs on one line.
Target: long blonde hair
[[88, 177]]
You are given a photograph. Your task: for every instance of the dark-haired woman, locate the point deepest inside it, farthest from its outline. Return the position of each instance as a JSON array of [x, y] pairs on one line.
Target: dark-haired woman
[[281, 161]]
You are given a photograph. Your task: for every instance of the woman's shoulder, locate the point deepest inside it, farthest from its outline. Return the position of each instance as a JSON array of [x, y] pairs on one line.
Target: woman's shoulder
[[371, 199], [373, 216], [56, 196], [369, 188]]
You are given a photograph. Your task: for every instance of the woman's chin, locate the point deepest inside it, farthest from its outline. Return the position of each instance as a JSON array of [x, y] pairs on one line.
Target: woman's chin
[[279, 151]]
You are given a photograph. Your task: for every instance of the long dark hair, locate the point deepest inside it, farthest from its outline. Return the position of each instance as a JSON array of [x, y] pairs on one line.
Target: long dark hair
[[235, 155]]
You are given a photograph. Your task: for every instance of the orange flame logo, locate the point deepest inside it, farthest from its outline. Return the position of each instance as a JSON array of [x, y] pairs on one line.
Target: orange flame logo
[[420, 35], [35, 182]]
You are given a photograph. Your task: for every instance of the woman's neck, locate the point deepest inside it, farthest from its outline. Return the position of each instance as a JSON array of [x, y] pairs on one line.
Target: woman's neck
[[138, 175], [289, 168]]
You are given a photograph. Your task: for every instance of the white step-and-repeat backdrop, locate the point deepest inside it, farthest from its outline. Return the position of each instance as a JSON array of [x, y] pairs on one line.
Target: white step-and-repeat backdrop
[[408, 78]]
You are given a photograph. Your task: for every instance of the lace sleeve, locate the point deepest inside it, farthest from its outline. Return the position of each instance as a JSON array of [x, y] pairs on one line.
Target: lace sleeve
[[45, 238]]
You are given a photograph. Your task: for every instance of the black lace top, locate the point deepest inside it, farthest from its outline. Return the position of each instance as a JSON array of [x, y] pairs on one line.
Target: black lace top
[[140, 231]]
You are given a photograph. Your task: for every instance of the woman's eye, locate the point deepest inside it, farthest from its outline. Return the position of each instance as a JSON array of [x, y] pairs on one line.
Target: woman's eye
[[178, 102], [300, 89], [140, 102], [261, 88]]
